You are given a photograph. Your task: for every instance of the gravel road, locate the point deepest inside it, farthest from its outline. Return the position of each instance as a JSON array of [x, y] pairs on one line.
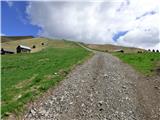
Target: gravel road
[[103, 88]]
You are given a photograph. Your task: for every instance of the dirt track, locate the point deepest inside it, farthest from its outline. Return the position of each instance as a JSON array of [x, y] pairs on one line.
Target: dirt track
[[103, 88]]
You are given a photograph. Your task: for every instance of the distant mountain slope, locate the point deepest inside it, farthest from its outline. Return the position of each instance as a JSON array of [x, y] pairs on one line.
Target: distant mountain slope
[[113, 48], [12, 38]]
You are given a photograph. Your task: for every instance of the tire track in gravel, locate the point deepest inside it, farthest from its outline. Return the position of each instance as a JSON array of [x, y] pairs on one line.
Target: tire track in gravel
[[103, 88]]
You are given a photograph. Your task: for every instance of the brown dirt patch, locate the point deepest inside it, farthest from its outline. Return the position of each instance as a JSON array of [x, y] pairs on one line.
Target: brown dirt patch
[[149, 96]]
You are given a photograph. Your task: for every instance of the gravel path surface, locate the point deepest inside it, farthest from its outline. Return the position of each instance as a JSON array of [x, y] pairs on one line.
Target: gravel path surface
[[103, 88]]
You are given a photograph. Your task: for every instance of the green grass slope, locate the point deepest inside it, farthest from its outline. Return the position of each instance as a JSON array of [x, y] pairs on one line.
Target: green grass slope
[[11, 45], [26, 76], [146, 63]]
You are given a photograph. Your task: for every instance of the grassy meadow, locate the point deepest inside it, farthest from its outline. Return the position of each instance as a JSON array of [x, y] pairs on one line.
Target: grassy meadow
[[27, 76], [146, 62]]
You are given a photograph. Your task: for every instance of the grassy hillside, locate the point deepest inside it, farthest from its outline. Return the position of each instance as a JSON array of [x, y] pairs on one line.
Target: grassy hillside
[[26, 76], [11, 45], [12, 38], [147, 63], [112, 48]]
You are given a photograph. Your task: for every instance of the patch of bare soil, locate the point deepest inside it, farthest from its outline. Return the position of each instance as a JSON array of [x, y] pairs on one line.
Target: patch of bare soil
[[158, 71], [149, 96]]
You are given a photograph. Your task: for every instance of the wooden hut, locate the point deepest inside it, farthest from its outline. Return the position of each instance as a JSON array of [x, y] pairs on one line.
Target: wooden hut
[[23, 49], [3, 52]]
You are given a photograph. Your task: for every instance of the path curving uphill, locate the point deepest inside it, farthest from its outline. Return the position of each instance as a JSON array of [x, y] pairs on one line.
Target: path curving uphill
[[103, 88]]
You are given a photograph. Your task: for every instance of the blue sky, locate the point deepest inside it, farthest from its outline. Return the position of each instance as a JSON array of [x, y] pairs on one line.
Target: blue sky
[[145, 14], [118, 35], [15, 21]]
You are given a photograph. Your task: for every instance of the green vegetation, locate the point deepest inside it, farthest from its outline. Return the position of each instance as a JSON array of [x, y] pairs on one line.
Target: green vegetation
[[145, 62], [27, 76]]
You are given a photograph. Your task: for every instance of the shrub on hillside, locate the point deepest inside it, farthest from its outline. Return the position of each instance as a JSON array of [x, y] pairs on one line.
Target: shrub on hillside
[[33, 46], [122, 51], [139, 52]]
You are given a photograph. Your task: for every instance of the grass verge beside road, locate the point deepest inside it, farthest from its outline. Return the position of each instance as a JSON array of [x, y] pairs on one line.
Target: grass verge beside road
[[26, 76], [146, 63]]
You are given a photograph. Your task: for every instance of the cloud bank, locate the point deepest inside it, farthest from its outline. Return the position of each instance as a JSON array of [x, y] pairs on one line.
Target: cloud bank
[[99, 22]]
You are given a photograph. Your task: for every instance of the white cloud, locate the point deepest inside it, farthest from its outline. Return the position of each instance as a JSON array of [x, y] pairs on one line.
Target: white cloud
[[144, 33], [140, 38], [97, 22]]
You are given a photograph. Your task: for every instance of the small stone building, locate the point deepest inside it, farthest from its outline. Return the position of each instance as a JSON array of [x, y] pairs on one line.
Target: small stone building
[[3, 52], [23, 49]]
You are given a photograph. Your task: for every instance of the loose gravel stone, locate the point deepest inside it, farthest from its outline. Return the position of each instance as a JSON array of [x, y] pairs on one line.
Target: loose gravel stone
[[103, 88]]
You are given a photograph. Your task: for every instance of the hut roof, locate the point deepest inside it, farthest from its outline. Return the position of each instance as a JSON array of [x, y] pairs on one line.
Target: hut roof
[[25, 47]]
